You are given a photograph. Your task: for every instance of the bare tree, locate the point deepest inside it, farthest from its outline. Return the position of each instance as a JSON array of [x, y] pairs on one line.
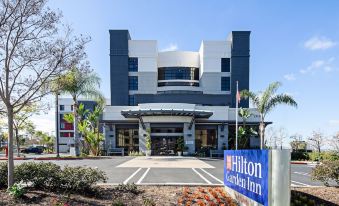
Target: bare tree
[[317, 140], [21, 120], [335, 142], [297, 142], [271, 137], [34, 50], [281, 136]]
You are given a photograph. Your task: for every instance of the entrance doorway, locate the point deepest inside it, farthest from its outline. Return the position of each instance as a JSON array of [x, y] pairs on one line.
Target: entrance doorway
[[164, 145]]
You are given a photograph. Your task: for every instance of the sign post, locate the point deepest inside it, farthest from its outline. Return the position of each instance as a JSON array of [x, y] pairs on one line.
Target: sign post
[[258, 177]]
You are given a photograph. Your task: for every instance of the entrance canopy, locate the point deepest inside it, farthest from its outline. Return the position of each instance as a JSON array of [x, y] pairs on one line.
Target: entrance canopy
[[166, 112]]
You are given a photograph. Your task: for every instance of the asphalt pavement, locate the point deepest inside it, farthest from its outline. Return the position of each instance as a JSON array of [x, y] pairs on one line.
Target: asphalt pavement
[[203, 171]]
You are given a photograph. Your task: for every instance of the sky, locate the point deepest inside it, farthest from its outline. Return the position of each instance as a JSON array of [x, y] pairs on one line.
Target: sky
[[294, 42]]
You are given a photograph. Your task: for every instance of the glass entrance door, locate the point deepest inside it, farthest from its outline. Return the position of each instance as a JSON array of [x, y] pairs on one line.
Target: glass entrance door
[[164, 145]]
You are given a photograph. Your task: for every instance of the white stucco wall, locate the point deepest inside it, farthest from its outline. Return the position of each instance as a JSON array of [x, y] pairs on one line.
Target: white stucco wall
[[178, 58]]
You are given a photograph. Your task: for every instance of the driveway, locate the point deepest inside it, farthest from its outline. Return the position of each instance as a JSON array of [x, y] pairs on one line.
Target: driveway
[[172, 170]]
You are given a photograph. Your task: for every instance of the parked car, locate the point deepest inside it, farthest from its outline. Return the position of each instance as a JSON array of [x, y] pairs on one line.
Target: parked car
[[32, 149]]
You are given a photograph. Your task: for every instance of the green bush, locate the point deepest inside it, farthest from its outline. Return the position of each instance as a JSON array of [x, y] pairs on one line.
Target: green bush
[[50, 177], [41, 175], [128, 188], [331, 156], [3, 174], [17, 191], [326, 171], [80, 179], [296, 155]]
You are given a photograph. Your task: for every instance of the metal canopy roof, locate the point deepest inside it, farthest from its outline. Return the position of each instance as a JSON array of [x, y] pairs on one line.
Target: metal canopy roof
[[166, 112]]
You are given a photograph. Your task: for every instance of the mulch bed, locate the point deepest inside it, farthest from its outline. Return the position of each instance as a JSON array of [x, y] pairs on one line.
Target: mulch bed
[[322, 195], [159, 195]]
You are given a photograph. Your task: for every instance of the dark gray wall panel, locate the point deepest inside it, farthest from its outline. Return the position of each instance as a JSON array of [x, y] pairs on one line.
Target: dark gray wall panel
[[240, 64], [119, 66]]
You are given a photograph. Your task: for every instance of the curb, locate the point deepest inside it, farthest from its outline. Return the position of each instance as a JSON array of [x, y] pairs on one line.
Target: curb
[[303, 163], [70, 158], [17, 158]]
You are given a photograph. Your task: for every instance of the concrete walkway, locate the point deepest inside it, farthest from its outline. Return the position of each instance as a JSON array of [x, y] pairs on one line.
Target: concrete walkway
[[165, 162]]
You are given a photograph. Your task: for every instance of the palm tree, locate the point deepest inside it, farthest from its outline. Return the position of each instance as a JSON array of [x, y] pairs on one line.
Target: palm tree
[[265, 102], [78, 83]]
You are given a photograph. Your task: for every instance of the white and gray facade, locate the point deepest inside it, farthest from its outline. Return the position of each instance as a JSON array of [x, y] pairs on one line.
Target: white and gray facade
[[189, 94]]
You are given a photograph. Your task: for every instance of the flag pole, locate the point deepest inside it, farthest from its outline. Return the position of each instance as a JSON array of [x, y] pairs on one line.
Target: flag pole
[[236, 119]]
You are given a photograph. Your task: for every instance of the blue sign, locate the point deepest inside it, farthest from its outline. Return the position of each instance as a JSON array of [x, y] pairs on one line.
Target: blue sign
[[246, 171]]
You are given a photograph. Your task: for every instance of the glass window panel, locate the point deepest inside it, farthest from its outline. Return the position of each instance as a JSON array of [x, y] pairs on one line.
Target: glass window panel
[[133, 83], [225, 83], [133, 64], [225, 65]]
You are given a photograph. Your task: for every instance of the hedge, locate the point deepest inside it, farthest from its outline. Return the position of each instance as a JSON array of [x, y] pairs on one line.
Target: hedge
[[51, 177]]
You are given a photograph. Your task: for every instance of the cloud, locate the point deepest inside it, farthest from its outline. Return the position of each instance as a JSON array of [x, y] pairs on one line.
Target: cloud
[[170, 47], [290, 77], [319, 65], [334, 123], [319, 43]]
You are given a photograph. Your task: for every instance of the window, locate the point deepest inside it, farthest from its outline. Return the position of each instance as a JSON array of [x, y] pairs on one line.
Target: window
[[133, 83], [171, 73], [128, 139], [131, 100], [206, 138], [62, 107], [225, 83], [225, 65], [71, 107], [133, 64], [66, 134]]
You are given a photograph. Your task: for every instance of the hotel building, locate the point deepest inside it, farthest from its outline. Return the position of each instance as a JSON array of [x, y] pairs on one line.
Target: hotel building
[[173, 94]]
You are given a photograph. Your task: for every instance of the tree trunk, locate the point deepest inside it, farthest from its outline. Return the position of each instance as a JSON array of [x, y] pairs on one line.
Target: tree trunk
[[262, 134], [17, 141], [10, 147], [57, 123], [76, 133]]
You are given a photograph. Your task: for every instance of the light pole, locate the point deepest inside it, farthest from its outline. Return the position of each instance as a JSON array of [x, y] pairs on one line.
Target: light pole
[[57, 122]]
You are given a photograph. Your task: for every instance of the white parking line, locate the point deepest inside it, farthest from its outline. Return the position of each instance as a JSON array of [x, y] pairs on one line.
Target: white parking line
[[300, 183], [143, 176], [302, 173], [202, 177], [130, 177], [221, 182]]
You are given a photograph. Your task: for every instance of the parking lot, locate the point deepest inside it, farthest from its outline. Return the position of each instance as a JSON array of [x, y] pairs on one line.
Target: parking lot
[[172, 170]]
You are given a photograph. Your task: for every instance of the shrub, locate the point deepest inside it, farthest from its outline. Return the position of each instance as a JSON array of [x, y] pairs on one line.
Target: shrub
[[50, 177], [131, 188], [331, 156], [326, 171], [3, 174], [297, 155], [80, 179], [17, 191], [148, 202], [41, 175]]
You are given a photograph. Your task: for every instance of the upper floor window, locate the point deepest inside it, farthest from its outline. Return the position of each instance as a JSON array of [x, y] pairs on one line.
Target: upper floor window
[[131, 100], [133, 83], [132, 64], [225, 65], [71, 107], [225, 83], [62, 107], [171, 73]]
